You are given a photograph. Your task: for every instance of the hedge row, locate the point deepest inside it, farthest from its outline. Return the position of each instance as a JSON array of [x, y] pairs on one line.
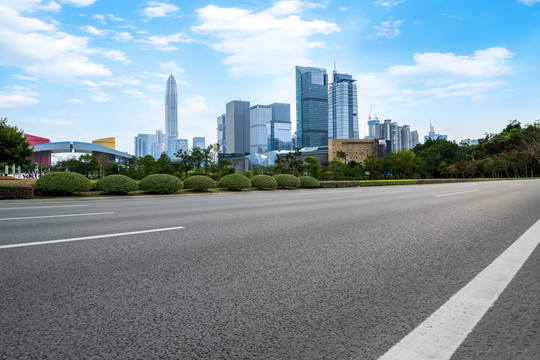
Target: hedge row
[[116, 184], [341, 184], [161, 184], [16, 191]]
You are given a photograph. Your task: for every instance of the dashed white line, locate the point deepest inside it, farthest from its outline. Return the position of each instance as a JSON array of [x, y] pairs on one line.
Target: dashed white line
[[88, 237], [457, 193], [441, 334], [42, 207], [56, 216]]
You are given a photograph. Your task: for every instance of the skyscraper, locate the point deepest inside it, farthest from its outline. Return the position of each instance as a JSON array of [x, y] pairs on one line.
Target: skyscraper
[[311, 107], [342, 108], [259, 116], [199, 142], [171, 116], [237, 122], [221, 129], [278, 130]]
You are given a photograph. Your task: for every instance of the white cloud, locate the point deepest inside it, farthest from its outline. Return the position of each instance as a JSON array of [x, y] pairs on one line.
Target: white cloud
[[438, 75], [156, 9], [122, 37], [489, 62], [16, 100], [267, 42], [78, 3], [93, 31], [196, 116], [171, 67], [27, 78], [42, 51], [389, 29], [76, 101], [101, 18], [112, 83], [100, 96], [117, 55], [134, 93], [163, 42], [388, 3], [529, 2]]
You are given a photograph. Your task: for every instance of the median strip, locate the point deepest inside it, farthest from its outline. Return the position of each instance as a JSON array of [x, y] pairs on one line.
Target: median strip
[[89, 237], [441, 334], [56, 216]]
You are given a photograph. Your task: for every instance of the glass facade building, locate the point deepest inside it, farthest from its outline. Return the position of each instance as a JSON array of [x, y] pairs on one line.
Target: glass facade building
[[278, 130], [237, 127], [259, 116], [342, 108], [222, 140], [171, 116], [311, 107], [199, 142]]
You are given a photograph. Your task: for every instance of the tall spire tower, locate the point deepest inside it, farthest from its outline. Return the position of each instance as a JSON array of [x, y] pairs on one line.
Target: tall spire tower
[[171, 116]]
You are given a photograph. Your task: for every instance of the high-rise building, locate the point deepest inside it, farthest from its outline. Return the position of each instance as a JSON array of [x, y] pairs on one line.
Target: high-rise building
[[374, 128], [405, 136], [342, 108], [221, 131], [182, 144], [432, 135], [144, 144], [237, 127], [199, 142], [259, 116], [415, 139], [171, 116], [311, 107], [278, 130]]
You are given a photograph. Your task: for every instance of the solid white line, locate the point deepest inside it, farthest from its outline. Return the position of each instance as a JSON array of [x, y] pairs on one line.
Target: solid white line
[[88, 237], [55, 216], [440, 335], [457, 193], [41, 207]]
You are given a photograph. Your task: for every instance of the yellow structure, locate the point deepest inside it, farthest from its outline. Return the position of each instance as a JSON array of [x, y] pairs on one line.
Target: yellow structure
[[109, 142], [356, 149]]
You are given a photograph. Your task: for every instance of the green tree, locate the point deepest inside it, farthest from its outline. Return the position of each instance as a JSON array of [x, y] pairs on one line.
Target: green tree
[[165, 164], [14, 149], [313, 167], [88, 164], [341, 155]]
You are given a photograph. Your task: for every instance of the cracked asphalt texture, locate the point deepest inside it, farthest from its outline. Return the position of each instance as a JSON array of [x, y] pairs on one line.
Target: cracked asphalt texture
[[305, 274]]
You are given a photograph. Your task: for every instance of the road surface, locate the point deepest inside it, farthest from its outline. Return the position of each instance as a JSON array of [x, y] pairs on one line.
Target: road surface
[[305, 274]]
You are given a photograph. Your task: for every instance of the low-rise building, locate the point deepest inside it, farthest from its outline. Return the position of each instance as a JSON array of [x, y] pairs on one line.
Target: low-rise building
[[355, 149]]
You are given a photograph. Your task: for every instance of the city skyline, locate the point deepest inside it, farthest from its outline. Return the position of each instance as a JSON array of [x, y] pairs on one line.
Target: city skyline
[[85, 69]]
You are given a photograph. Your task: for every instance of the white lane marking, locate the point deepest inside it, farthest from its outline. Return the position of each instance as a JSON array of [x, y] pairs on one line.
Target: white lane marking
[[89, 237], [55, 216], [457, 193], [41, 207], [441, 334]]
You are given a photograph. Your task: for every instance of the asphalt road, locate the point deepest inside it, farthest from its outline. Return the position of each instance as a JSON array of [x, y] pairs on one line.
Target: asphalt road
[[305, 274]]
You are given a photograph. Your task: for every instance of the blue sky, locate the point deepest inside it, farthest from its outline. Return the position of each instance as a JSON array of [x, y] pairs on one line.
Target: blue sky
[[87, 69]]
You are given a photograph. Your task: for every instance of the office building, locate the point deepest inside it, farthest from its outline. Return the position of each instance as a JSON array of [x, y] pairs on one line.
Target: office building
[[433, 136], [374, 128], [221, 131], [237, 130], [356, 149], [311, 107], [415, 139], [182, 144], [199, 142], [171, 116], [278, 130], [259, 116], [405, 137], [342, 108]]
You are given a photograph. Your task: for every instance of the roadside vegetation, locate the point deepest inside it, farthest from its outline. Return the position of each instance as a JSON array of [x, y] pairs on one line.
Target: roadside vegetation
[[512, 154]]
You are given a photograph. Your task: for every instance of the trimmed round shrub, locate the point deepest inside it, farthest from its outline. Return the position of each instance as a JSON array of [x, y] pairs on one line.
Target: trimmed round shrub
[[287, 181], [62, 183], [263, 182], [235, 182], [161, 184], [309, 182], [116, 184], [199, 182]]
